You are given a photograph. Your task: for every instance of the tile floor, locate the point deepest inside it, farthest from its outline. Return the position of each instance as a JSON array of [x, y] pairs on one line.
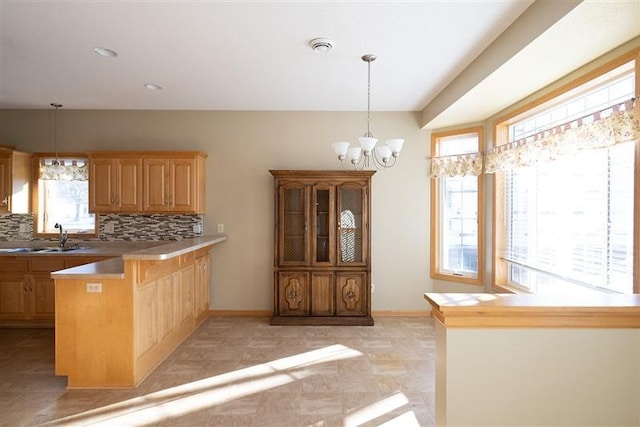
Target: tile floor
[[240, 371]]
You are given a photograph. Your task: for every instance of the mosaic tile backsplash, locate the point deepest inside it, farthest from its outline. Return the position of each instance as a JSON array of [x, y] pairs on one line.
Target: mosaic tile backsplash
[[115, 227]]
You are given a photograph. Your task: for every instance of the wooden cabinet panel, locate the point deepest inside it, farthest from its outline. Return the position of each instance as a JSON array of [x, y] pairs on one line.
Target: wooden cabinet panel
[[322, 254], [13, 292], [201, 298], [101, 185], [5, 184], [15, 175], [147, 321], [322, 298], [183, 185], [115, 184], [169, 296], [186, 294], [46, 264], [42, 298], [149, 182], [27, 292], [129, 185], [173, 184], [293, 299], [351, 294], [156, 185]]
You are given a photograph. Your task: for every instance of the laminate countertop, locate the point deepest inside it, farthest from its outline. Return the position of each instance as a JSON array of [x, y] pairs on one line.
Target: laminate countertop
[[114, 268]]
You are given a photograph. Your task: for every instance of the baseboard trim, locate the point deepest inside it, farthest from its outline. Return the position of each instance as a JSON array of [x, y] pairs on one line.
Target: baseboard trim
[[269, 313], [241, 313], [393, 313]]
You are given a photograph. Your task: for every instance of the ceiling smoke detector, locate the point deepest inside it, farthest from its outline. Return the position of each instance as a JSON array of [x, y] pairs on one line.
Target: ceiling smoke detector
[[321, 45]]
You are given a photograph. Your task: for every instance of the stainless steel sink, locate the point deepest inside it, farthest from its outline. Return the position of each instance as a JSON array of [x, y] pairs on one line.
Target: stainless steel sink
[[13, 250], [41, 249], [56, 249]]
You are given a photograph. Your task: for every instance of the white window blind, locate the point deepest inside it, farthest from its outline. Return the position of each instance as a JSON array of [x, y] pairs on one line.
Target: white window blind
[[570, 222]]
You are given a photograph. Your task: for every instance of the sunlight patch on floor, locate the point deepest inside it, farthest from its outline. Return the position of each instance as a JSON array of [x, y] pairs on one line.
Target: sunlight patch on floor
[[369, 413], [198, 395]]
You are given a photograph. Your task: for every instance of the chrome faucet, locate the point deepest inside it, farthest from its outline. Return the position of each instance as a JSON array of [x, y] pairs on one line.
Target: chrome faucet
[[63, 235]]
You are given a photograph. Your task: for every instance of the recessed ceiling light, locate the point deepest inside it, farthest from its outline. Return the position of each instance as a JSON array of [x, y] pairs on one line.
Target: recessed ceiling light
[[152, 86], [103, 51], [321, 45]]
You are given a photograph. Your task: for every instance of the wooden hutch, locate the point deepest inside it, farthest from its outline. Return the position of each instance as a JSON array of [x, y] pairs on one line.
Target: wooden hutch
[[322, 252]]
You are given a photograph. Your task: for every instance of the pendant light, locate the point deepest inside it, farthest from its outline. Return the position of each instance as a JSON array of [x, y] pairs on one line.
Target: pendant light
[[367, 154], [53, 170]]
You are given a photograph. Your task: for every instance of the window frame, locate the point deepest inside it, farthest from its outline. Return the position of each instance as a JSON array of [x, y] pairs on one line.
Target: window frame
[[35, 178], [436, 271], [499, 279]]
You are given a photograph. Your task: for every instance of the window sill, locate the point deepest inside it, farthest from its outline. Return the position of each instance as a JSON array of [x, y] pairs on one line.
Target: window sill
[[459, 279], [506, 289]]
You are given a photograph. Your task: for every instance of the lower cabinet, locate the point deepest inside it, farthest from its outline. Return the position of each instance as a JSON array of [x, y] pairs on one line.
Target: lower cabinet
[[27, 292], [319, 297], [13, 289]]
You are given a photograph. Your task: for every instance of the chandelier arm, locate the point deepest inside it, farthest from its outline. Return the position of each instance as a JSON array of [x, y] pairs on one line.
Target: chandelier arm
[[379, 164]]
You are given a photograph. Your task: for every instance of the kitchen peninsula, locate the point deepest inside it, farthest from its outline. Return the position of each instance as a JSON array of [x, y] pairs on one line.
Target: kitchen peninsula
[[117, 320], [544, 360]]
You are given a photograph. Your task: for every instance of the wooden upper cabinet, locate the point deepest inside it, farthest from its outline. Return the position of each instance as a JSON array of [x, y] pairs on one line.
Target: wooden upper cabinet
[[173, 184], [115, 185], [147, 182], [15, 171]]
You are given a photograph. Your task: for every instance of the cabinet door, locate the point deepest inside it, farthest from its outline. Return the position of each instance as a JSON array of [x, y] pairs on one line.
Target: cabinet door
[[156, 177], [101, 185], [201, 299], [183, 182], [323, 225], [42, 297], [352, 225], [293, 249], [129, 185], [322, 295], [293, 299], [169, 297], [147, 325], [351, 294], [186, 294], [5, 184], [14, 292]]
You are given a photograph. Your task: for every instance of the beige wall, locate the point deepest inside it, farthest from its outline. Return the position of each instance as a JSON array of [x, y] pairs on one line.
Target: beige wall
[[242, 147], [537, 377]]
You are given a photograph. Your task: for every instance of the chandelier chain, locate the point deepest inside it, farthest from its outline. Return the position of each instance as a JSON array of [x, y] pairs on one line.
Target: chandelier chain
[[368, 97]]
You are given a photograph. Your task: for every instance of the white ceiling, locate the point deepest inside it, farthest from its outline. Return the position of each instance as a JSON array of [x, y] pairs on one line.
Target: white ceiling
[[254, 55]]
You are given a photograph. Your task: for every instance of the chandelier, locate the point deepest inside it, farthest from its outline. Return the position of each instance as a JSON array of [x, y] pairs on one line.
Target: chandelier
[[368, 154]]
